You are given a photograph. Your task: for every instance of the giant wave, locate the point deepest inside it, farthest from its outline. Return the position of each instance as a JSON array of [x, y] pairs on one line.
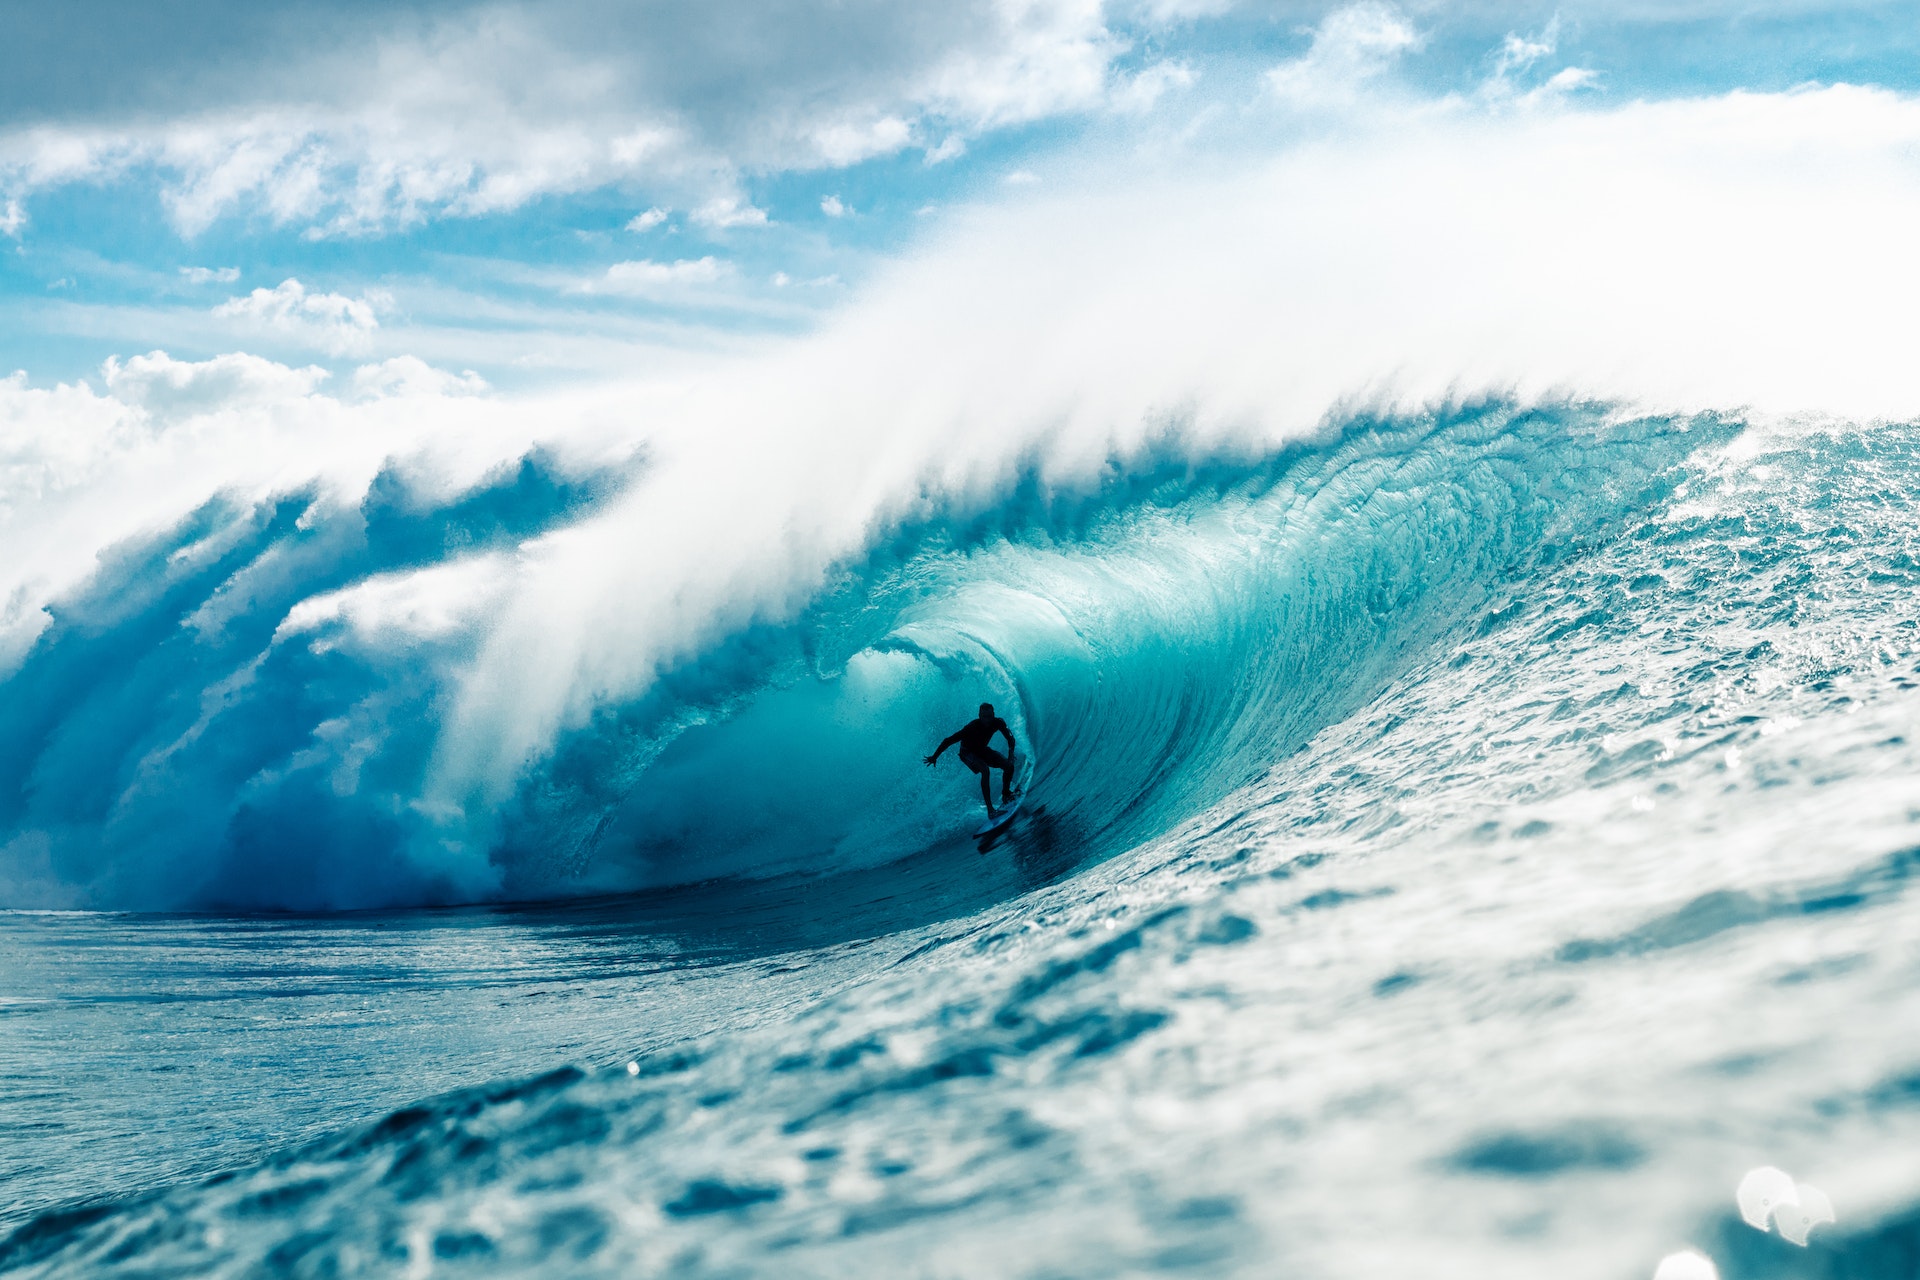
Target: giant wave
[[201, 726]]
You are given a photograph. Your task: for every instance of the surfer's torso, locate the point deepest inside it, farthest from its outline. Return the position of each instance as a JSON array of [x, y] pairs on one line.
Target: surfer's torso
[[976, 739]]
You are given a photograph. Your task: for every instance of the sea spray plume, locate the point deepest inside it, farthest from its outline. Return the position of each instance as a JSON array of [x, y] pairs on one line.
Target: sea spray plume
[[1156, 644], [227, 712], [166, 536], [86, 468], [1683, 256]]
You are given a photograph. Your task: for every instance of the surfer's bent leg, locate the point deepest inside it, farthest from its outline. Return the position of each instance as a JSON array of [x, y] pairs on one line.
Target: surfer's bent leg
[[988, 761], [983, 767]]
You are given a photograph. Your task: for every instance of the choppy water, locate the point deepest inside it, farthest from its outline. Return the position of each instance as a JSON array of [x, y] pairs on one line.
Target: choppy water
[[1462, 846]]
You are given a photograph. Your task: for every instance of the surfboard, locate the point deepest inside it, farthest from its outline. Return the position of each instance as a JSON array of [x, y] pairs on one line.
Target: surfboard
[[1002, 818]]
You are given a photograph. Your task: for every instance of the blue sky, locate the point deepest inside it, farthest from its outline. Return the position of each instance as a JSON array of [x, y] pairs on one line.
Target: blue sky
[[541, 191]]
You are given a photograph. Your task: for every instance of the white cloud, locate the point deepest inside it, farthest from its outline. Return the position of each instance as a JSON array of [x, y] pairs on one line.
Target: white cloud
[[834, 207], [647, 221], [724, 212], [412, 376], [1351, 48], [172, 388], [13, 219], [210, 275], [1518, 52], [1139, 93], [1052, 58], [1567, 79], [951, 147], [844, 143], [1021, 178], [389, 122], [1518, 55], [1185, 10], [644, 277], [333, 322]]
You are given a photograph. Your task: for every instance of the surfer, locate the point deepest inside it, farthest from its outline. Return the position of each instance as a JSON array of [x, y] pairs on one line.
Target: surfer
[[977, 753]]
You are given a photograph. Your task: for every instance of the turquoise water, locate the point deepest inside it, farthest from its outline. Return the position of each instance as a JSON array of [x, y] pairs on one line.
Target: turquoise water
[[1461, 845]]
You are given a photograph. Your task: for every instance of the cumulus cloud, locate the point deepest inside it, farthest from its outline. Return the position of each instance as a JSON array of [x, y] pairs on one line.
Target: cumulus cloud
[[834, 207], [723, 212], [951, 147], [333, 322], [1518, 56], [173, 388], [847, 142], [1351, 47], [1518, 52], [643, 277], [412, 376], [1139, 93], [12, 219], [647, 221], [210, 275], [367, 123]]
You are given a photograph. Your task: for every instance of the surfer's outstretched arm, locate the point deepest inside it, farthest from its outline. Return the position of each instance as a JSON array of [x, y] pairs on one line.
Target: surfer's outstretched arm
[[942, 747]]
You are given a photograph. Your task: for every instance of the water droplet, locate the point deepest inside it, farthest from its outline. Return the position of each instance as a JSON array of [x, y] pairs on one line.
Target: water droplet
[[1688, 1264]]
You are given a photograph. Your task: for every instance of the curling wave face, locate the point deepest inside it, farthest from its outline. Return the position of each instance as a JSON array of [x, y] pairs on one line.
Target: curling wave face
[[1584, 899], [207, 724]]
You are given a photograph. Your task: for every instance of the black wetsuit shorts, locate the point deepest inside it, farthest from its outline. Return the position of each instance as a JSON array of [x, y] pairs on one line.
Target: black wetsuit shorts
[[981, 759]]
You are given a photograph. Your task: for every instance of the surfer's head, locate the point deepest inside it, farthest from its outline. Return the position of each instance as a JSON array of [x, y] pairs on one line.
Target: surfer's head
[[986, 711]]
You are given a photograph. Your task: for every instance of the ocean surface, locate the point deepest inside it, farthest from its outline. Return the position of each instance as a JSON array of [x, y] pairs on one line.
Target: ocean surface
[[1460, 844]]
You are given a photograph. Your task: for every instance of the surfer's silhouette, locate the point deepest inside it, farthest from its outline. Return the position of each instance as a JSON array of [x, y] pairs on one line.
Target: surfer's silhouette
[[977, 753]]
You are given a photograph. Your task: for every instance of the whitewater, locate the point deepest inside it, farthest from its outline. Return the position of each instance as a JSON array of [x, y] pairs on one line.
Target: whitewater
[[1455, 590]]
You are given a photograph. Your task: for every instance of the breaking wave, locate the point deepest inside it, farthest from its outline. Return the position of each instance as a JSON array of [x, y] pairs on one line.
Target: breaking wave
[[247, 711]]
